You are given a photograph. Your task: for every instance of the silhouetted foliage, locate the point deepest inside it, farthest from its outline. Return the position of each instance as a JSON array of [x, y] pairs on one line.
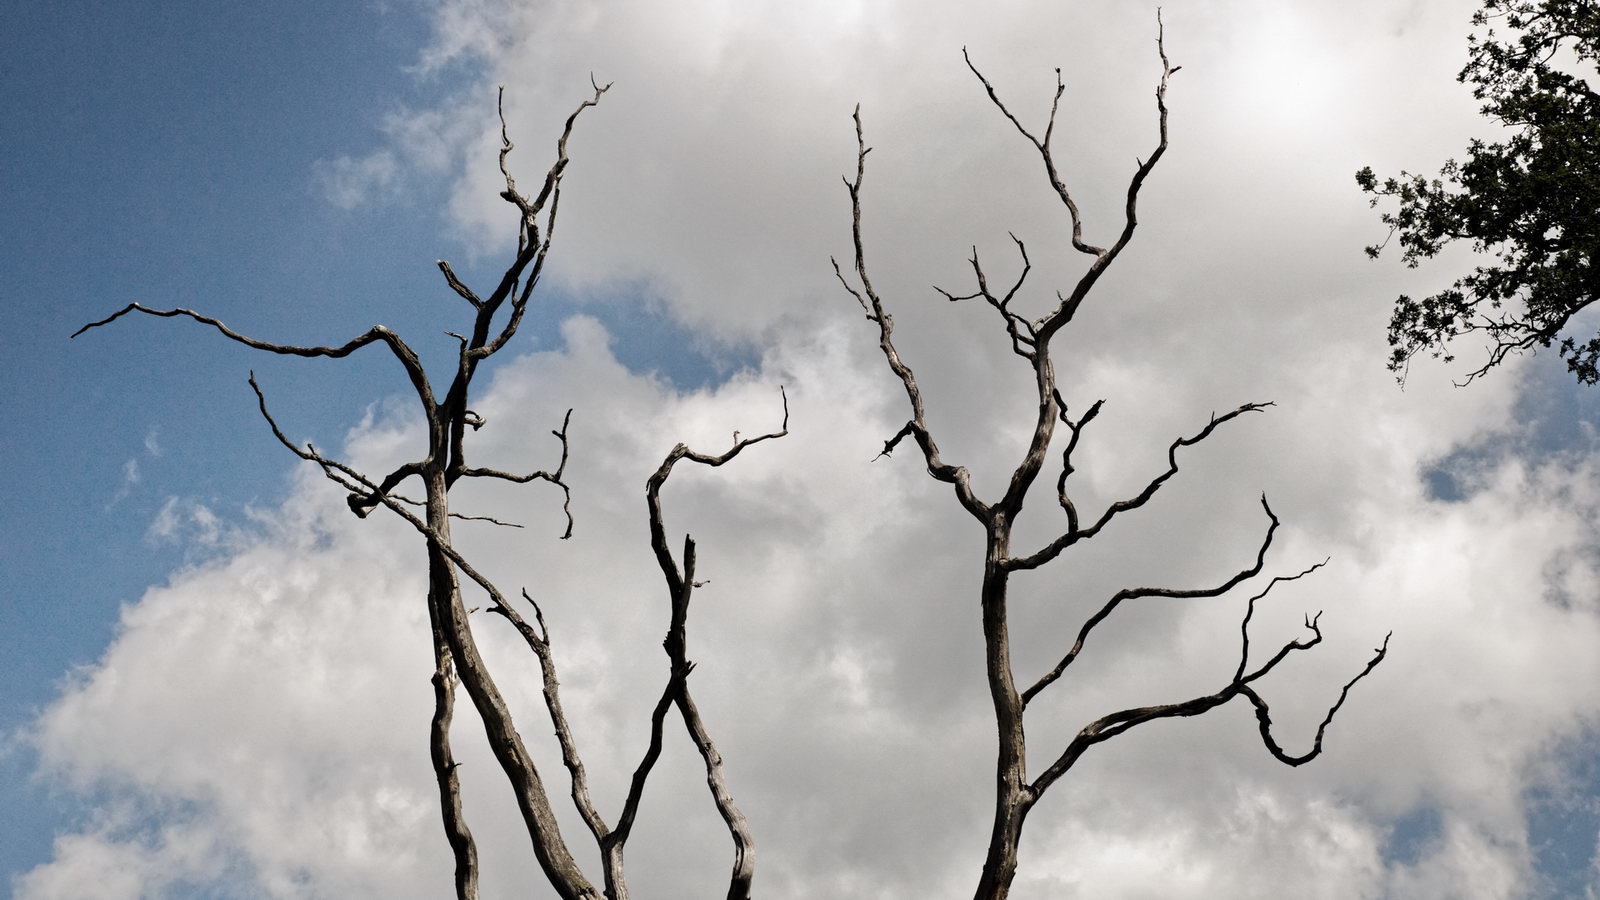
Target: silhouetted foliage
[[1531, 200]]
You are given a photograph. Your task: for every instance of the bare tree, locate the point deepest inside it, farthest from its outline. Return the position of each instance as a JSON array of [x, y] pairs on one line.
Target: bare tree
[[457, 659], [1016, 792]]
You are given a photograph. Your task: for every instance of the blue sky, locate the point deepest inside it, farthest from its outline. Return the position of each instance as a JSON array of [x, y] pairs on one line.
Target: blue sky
[[212, 156]]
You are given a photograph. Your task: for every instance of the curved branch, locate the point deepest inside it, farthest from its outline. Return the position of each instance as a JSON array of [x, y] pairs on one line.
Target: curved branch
[[1043, 146], [1109, 726], [658, 534], [917, 427], [1140, 593], [1074, 535], [1076, 431], [1264, 714], [403, 352], [681, 584], [1068, 307]]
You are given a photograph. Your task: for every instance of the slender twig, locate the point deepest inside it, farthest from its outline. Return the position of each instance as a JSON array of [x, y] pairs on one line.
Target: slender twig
[[557, 478]]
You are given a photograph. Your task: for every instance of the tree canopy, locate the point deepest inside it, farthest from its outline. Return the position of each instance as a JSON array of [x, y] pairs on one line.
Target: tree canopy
[[1530, 202]]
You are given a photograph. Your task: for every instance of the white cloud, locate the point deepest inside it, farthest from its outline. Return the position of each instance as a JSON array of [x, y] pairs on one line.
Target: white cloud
[[184, 520], [276, 695], [131, 476], [349, 181]]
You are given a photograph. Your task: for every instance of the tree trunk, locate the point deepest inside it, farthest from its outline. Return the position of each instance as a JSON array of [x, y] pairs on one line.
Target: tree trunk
[[1012, 798], [445, 592]]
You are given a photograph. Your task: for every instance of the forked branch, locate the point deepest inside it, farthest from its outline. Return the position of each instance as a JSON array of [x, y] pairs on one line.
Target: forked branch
[[1075, 432], [1024, 340], [1109, 726], [681, 584], [1073, 534], [1181, 594]]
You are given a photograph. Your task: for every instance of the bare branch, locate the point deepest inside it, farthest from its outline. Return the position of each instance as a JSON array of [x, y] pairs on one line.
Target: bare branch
[[1043, 146], [1264, 716], [1142, 592], [363, 503], [681, 584], [658, 534], [1074, 535], [917, 427], [556, 478], [1110, 726], [456, 285], [1023, 341], [408, 358], [630, 806], [539, 643], [1249, 613], [744, 852], [490, 519], [1068, 307], [455, 515], [1076, 429], [459, 836]]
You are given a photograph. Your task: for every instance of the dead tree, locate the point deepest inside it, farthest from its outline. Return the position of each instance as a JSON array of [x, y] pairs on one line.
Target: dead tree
[[456, 655], [1016, 792]]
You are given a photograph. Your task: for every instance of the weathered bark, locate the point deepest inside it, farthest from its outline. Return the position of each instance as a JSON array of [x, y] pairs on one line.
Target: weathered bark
[[459, 836], [1012, 795]]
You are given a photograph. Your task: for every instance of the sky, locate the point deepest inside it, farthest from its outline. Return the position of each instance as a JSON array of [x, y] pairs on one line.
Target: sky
[[217, 678]]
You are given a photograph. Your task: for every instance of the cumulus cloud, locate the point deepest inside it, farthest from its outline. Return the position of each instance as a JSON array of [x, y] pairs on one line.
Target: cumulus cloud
[[274, 698]]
